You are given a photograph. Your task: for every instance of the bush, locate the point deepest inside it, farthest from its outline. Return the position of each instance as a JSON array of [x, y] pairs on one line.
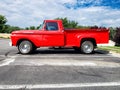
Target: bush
[[112, 33], [117, 37]]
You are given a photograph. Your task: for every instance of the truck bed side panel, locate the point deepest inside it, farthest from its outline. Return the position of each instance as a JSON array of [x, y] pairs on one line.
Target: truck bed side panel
[[74, 37]]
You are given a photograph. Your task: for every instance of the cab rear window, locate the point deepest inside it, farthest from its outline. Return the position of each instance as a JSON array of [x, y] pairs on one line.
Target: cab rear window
[[51, 26]]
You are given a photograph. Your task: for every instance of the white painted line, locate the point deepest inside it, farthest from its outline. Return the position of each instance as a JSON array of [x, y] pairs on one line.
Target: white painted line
[[63, 64], [93, 65], [55, 86], [64, 56], [54, 62], [7, 61]]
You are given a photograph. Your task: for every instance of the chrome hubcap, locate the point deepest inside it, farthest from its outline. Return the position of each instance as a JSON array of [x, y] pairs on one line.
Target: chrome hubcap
[[24, 48], [87, 48]]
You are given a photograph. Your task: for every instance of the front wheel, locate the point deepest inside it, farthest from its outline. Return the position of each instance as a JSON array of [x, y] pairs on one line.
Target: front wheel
[[87, 47], [25, 47]]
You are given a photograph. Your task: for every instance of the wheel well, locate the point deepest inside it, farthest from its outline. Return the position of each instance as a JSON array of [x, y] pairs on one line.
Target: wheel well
[[19, 41], [89, 39]]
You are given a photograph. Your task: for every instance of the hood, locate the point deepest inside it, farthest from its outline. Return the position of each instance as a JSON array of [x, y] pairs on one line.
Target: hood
[[25, 31]]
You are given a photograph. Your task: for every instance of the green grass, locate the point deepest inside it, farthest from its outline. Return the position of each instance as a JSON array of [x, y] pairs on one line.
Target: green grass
[[115, 49]]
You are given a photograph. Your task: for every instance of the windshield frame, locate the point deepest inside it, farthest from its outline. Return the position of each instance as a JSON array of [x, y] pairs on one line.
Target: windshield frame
[[41, 26]]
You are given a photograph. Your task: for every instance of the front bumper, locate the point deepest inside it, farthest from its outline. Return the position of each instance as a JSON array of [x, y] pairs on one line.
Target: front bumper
[[10, 43]]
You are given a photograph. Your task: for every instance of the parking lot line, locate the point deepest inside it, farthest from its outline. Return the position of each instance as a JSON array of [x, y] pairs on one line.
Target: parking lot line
[[65, 56], [67, 85], [97, 63], [7, 61]]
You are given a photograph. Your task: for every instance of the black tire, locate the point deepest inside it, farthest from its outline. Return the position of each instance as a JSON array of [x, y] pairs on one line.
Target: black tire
[[25, 47], [87, 47], [34, 48]]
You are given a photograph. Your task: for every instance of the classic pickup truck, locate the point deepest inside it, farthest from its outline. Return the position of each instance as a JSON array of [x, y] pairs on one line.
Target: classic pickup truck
[[53, 34]]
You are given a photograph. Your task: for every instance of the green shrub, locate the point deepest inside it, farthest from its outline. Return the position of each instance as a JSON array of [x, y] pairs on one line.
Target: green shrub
[[117, 37]]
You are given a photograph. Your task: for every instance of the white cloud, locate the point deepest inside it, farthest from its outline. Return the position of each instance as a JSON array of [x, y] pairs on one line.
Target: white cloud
[[89, 2], [25, 13]]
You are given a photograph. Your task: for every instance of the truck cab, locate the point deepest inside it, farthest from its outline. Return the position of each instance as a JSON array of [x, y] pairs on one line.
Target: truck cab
[[52, 33]]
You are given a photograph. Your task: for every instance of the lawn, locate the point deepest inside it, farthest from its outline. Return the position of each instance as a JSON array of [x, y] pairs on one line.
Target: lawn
[[115, 49], [4, 35]]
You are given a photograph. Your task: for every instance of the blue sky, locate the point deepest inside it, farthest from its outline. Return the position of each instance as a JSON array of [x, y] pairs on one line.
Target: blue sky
[[114, 4], [24, 13]]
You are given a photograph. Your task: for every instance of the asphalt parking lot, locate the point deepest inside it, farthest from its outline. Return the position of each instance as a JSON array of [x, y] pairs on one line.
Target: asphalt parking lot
[[60, 69]]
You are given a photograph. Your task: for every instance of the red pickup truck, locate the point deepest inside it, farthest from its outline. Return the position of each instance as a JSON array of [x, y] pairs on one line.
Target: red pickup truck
[[53, 34]]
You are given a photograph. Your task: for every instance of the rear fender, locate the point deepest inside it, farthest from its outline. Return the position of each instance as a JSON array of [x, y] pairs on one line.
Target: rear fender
[[82, 38]]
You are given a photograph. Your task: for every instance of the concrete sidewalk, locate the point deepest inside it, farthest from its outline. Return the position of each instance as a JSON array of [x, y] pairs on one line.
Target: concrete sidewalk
[[111, 43]]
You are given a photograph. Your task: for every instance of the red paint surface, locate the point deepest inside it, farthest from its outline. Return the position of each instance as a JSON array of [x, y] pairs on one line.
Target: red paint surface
[[60, 37]]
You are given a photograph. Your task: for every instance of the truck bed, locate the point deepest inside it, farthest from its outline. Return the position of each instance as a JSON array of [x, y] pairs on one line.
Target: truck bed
[[73, 36]]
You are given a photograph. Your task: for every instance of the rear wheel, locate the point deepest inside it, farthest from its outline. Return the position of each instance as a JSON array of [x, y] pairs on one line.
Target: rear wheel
[[25, 47], [87, 47]]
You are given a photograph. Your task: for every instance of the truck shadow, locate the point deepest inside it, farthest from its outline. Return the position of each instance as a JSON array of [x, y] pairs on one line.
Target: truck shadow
[[65, 51]]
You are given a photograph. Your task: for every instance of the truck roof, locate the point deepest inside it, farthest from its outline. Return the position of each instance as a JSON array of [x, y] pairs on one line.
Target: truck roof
[[52, 20]]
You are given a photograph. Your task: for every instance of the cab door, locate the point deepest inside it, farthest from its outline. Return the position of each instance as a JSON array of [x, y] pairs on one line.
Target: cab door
[[52, 35]]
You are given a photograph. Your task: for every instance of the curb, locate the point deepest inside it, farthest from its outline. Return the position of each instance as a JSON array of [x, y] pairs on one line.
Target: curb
[[110, 43], [114, 54], [108, 52]]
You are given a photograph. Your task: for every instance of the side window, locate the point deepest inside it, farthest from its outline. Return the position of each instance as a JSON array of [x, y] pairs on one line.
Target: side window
[[51, 26]]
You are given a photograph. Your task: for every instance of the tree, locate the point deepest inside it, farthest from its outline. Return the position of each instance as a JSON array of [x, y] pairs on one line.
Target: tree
[[32, 27], [112, 33], [3, 21], [68, 23], [27, 28], [117, 37], [71, 24], [9, 29]]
